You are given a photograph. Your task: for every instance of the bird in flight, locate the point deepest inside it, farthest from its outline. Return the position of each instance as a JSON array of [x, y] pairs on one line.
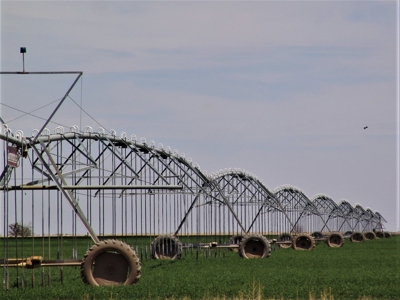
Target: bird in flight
[[365, 127]]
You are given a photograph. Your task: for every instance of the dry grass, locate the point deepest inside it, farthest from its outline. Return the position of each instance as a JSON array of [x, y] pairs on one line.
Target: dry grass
[[255, 292]]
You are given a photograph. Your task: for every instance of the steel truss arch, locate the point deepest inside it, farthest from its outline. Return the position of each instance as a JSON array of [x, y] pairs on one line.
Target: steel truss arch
[[373, 223], [381, 220], [98, 166], [117, 167], [299, 208], [330, 211], [366, 218], [255, 205], [166, 190], [352, 217]]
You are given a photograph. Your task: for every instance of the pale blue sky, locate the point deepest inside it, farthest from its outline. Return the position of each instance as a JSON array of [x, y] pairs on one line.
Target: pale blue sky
[[280, 89]]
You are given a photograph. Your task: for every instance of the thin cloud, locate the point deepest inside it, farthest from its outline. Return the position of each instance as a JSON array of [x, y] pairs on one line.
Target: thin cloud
[[281, 89]]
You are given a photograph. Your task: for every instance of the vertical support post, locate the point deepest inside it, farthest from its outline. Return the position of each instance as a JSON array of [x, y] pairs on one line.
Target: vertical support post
[[226, 202], [23, 51]]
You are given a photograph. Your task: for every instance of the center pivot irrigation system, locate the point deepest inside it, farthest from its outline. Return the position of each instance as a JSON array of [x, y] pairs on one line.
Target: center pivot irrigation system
[[137, 200]]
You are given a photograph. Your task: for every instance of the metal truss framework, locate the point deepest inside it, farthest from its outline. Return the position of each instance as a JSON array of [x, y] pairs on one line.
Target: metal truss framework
[[304, 214], [119, 185], [140, 198], [331, 212], [96, 167]]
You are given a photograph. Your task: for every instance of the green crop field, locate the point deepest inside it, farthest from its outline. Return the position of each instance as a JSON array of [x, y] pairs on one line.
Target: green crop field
[[368, 270]]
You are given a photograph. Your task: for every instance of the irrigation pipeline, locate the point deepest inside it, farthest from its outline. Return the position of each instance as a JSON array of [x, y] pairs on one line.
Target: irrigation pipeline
[[69, 187], [136, 181]]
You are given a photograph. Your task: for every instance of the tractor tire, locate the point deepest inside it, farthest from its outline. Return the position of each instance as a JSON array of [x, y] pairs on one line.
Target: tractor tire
[[370, 235], [317, 235], [348, 233], [357, 237], [166, 247], [235, 240], [285, 237], [110, 262], [303, 242], [254, 246], [335, 240], [380, 234]]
